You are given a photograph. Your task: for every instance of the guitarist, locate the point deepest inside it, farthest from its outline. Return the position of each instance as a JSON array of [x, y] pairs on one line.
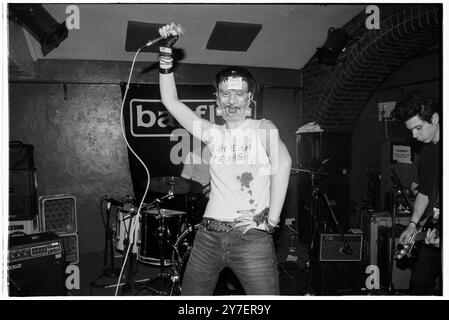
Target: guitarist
[[420, 113]]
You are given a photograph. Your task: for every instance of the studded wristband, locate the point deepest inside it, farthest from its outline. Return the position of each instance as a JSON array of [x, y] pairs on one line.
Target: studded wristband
[[165, 60]]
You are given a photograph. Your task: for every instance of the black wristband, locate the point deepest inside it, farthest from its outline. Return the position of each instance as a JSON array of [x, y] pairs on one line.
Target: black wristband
[[165, 71], [411, 221]]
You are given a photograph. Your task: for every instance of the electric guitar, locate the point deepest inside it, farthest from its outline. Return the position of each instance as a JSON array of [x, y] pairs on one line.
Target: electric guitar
[[409, 249]]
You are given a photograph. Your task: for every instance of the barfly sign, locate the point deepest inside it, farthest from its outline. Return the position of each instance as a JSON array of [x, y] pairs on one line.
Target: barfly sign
[[149, 118]]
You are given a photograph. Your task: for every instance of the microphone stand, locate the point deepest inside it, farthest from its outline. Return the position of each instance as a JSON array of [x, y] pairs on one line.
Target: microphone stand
[[346, 249], [128, 286], [316, 194], [108, 271], [314, 211], [109, 233]]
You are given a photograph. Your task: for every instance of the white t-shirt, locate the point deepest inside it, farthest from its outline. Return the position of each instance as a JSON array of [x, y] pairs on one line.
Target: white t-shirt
[[240, 172]]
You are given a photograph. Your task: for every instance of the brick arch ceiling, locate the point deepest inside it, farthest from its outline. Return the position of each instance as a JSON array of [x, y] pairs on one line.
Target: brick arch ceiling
[[335, 96]]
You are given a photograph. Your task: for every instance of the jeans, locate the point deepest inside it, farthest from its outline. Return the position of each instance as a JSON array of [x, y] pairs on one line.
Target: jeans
[[251, 257]]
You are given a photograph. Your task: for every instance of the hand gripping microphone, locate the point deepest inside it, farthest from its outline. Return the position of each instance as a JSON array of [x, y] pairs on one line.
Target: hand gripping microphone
[[177, 29]]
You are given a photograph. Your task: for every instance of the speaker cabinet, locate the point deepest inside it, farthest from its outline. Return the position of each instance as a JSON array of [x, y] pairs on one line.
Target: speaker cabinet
[[23, 203], [36, 265], [336, 271], [400, 278], [338, 278], [323, 149], [21, 156]]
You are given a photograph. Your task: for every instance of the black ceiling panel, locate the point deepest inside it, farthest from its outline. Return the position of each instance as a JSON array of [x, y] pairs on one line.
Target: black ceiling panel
[[232, 36], [139, 33]]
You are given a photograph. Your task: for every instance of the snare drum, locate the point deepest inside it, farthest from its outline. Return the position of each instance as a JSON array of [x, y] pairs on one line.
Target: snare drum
[[159, 228], [124, 231]]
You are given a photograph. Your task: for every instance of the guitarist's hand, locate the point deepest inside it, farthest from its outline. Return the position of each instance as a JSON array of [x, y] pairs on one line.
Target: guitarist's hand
[[433, 238], [407, 234]]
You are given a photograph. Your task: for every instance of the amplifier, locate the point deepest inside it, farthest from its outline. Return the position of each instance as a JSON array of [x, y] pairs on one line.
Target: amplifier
[[371, 221], [23, 226], [36, 265], [332, 247]]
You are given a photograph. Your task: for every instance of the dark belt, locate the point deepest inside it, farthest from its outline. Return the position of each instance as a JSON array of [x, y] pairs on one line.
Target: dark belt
[[216, 225]]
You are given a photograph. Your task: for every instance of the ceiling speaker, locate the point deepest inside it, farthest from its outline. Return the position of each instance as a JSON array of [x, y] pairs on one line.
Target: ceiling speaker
[[139, 33], [232, 36]]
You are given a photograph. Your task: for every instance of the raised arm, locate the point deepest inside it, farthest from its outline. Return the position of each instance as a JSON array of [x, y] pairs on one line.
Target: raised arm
[[169, 96], [182, 113]]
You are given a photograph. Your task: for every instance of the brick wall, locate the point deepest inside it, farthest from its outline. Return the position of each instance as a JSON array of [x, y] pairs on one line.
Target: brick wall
[[336, 95]]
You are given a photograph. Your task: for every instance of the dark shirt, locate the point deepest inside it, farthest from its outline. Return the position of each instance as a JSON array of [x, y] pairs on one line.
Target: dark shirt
[[429, 173]]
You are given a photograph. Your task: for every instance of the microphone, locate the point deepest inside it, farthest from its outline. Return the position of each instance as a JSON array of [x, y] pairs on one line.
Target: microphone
[[113, 201], [177, 28]]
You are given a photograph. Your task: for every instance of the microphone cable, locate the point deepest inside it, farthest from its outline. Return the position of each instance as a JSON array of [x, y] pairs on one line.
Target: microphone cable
[[133, 219]]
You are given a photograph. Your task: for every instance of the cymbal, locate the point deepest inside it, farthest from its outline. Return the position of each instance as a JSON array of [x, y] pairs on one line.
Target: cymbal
[[178, 185]]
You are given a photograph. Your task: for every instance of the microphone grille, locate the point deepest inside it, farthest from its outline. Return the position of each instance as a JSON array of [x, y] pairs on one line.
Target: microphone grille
[[179, 29]]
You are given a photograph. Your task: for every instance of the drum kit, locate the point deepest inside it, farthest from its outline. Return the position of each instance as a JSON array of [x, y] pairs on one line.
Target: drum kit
[[161, 237]]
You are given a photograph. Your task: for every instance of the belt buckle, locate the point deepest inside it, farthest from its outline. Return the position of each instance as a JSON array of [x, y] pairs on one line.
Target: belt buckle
[[207, 224]]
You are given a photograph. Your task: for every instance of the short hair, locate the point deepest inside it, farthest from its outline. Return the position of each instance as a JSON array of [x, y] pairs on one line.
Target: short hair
[[416, 103], [237, 72]]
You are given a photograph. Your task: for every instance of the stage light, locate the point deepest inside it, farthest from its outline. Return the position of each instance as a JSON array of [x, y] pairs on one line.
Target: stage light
[[334, 45], [41, 25]]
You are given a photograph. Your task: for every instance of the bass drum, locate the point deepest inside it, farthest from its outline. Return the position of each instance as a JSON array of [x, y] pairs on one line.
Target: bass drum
[[227, 283], [180, 256]]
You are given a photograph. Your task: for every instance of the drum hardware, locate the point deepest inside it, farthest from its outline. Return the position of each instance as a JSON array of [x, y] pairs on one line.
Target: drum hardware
[[108, 267], [180, 256], [132, 234], [177, 185], [162, 275], [167, 227], [163, 234]]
